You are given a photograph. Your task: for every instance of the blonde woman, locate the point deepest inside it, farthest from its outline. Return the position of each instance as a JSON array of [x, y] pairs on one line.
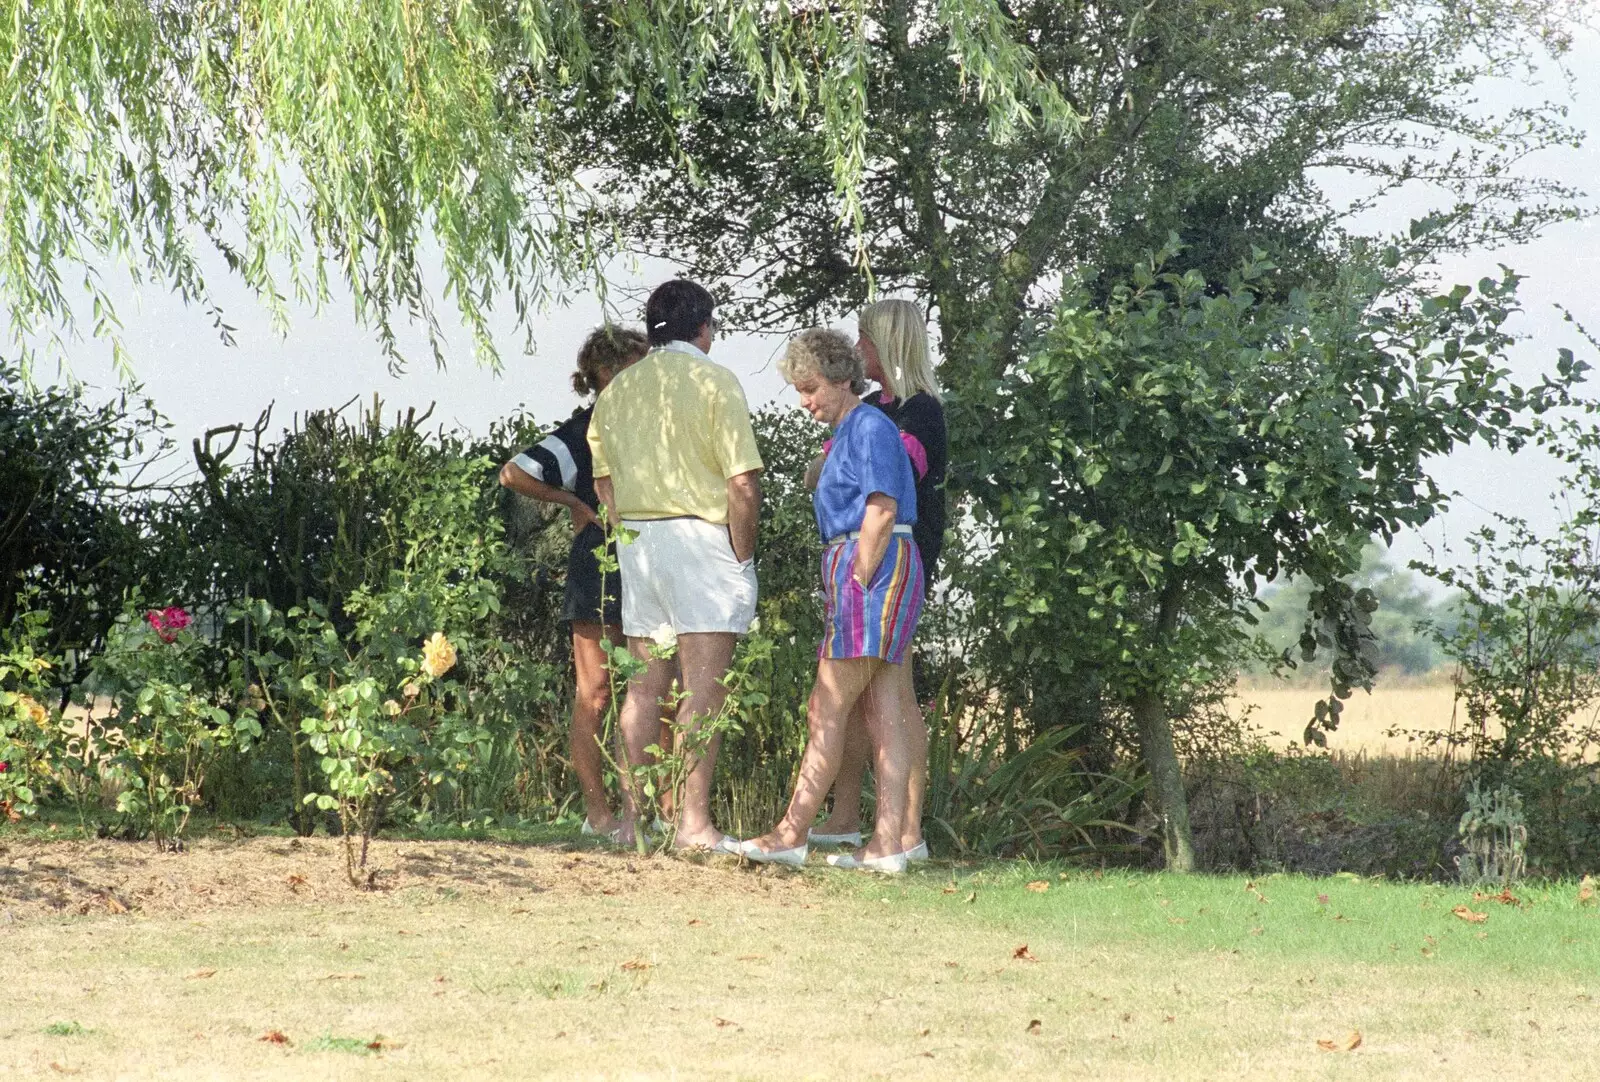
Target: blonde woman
[[893, 344], [559, 470], [866, 505]]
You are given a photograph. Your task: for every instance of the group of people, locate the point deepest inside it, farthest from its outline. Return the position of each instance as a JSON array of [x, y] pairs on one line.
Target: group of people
[[668, 449]]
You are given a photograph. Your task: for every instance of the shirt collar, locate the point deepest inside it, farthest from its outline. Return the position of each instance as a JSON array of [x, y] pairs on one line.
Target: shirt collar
[[680, 346]]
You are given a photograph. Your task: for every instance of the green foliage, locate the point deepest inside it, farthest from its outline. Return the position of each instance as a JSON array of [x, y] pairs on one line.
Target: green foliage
[[30, 731], [1036, 801], [353, 141], [1495, 833], [1525, 651], [171, 713], [1402, 625], [72, 512]]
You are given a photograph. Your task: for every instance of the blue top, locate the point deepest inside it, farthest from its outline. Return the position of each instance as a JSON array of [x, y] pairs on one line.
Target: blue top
[[866, 457]]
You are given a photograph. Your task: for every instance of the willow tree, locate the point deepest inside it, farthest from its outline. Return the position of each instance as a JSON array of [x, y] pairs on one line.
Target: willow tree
[[399, 149], [1220, 121]]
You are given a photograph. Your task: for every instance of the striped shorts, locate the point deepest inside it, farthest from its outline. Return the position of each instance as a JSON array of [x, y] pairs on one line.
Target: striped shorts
[[876, 620]]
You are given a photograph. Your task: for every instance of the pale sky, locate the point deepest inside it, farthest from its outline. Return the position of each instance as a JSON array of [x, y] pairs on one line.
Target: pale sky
[[326, 359]]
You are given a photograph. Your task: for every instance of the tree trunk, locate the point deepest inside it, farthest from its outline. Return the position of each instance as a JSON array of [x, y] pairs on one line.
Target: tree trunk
[[1166, 794]]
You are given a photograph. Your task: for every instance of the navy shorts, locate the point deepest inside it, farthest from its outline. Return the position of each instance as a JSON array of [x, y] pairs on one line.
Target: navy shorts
[[588, 599]]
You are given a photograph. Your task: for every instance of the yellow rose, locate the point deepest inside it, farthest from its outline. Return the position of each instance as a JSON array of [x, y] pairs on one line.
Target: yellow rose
[[438, 655], [35, 710], [391, 707]]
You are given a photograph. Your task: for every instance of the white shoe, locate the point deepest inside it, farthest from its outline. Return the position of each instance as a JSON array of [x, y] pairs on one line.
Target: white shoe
[[917, 853], [795, 857], [852, 839], [893, 864]]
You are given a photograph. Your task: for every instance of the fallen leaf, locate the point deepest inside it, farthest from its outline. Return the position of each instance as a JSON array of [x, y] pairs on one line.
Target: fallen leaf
[[115, 906], [1251, 888], [1327, 1046], [1038, 886], [1062, 876], [751, 957], [1034, 1028], [1177, 920], [1586, 890], [1322, 899], [1257, 931], [972, 897], [201, 974], [723, 1022], [275, 1036], [924, 1032], [296, 882], [696, 922], [1480, 935], [635, 964], [344, 977], [1023, 954], [949, 888], [1468, 915], [377, 1045], [1353, 1042], [1170, 1018], [952, 965], [61, 1069]]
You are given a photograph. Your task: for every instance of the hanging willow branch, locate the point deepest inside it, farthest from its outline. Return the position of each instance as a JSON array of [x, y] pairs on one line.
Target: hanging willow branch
[[361, 141]]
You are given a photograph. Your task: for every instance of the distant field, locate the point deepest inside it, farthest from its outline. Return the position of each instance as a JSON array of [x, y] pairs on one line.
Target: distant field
[[1366, 717]]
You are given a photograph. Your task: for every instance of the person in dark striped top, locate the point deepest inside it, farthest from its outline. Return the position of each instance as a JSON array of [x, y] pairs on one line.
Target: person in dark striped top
[[559, 470]]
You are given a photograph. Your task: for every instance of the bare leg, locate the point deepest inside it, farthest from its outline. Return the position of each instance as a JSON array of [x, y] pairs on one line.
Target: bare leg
[[892, 764], [639, 724], [845, 818], [915, 732], [704, 658], [589, 704], [840, 682]]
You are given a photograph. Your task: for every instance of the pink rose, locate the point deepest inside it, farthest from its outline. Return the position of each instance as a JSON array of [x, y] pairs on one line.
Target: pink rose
[[167, 622]]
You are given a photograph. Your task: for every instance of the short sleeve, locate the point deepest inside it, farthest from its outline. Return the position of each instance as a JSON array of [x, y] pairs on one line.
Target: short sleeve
[[600, 466], [733, 438], [880, 460]]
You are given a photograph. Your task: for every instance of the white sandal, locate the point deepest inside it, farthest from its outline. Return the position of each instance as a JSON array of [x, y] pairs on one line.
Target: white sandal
[[794, 858], [893, 864]]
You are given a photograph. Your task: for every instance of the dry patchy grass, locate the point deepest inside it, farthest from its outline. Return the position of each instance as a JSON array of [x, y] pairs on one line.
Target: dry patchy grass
[[499, 961]]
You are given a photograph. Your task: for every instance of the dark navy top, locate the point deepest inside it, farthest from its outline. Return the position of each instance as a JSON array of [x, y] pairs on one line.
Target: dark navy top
[[562, 459]]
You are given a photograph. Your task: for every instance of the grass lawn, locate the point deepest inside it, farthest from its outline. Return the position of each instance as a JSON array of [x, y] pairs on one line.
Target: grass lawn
[[492, 960]]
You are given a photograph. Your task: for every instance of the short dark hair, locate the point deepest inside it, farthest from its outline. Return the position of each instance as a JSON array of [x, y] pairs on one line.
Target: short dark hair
[[676, 311]]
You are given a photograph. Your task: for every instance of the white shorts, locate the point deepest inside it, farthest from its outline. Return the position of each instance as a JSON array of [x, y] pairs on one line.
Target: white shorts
[[680, 573]]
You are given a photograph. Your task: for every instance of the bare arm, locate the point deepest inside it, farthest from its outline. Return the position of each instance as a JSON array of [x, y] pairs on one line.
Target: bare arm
[[744, 507], [517, 479], [877, 526]]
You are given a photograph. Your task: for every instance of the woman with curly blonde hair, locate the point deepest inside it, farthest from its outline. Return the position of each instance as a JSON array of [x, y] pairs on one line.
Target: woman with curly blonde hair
[[865, 504]]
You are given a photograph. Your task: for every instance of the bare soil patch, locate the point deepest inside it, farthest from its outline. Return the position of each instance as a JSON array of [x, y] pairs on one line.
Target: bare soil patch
[[41, 878]]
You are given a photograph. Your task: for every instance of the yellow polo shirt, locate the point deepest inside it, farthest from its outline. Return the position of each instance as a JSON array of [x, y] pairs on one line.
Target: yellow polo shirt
[[669, 431]]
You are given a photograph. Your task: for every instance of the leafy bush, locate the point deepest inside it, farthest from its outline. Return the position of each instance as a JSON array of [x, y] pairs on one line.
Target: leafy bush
[[30, 731], [171, 713], [73, 510]]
